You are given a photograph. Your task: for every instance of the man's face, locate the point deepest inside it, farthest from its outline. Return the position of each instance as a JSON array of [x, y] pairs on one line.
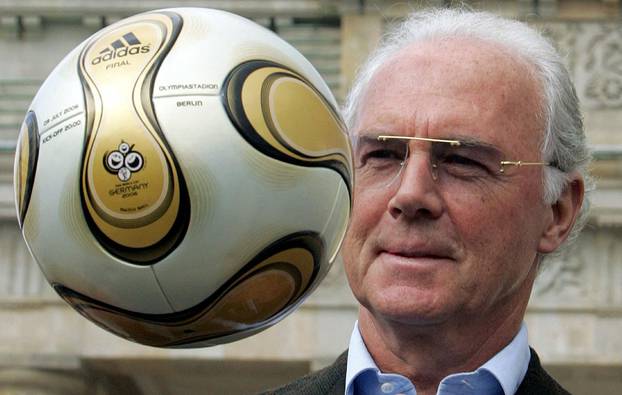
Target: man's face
[[424, 251]]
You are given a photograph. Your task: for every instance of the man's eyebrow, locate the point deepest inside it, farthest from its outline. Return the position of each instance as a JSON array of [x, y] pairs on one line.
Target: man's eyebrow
[[472, 142], [366, 138], [368, 133], [466, 141]]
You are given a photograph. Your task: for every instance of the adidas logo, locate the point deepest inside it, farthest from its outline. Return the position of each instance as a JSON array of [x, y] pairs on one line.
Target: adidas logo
[[129, 44]]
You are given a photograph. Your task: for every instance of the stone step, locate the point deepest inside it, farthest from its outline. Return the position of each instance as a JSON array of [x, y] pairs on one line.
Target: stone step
[[311, 35], [15, 97], [13, 104], [19, 88], [12, 116], [319, 50], [318, 31], [313, 41], [325, 66], [9, 132]]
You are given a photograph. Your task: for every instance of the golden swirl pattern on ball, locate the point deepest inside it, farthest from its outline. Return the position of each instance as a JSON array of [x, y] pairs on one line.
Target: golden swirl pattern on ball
[[133, 191], [264, 290], [284, 116], [26, 164]]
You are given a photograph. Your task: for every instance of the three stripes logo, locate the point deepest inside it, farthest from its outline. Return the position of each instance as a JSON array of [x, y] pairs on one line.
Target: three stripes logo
[[128, 44]]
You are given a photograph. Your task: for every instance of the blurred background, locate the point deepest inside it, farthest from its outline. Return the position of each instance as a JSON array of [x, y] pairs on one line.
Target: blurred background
[[575, 315]]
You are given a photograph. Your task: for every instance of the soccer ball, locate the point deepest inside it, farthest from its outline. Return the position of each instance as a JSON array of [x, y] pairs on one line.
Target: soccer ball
[[183, 178]]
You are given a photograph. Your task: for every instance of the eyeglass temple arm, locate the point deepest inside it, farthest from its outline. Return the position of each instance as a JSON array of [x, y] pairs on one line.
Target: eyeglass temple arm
[[519, 163]]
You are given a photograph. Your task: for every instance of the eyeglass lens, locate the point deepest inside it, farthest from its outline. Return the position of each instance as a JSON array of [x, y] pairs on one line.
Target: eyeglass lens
[[378, 162]]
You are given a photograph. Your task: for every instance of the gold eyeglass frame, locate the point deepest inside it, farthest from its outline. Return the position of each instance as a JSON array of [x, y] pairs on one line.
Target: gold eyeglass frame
[[457, 143]]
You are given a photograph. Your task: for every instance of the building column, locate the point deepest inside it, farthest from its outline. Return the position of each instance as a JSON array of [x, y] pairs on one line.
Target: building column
[[360, 33]]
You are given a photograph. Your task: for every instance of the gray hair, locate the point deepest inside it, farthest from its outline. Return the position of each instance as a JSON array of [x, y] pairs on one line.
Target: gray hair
[[564, 141]]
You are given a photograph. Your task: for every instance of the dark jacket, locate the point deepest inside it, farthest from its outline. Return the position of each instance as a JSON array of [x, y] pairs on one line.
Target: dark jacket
[[332, 380]]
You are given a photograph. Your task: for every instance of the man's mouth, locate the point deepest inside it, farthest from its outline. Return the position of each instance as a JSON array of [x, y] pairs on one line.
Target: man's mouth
[[417, 254], [427, 252]]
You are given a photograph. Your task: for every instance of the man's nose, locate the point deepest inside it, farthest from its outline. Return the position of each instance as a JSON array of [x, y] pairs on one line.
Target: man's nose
[[417, 194]]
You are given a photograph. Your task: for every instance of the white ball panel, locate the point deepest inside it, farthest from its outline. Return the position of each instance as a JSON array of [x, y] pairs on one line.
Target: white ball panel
[[60, 96], [337, 221], [224, 41], [241, 221], [54, 226]]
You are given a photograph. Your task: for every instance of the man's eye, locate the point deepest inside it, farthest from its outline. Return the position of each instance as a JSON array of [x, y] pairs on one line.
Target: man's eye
[[460, 160], [385, 154], [462, 165], [377, 158]]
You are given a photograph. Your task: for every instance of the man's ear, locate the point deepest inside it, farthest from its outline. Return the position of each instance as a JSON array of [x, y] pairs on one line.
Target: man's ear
[[564, 214]]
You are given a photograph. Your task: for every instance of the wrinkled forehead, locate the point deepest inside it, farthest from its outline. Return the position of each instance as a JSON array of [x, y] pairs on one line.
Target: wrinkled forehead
[[461, 85]]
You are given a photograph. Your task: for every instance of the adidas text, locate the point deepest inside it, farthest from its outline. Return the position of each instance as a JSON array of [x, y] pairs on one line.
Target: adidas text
[[119, 53]]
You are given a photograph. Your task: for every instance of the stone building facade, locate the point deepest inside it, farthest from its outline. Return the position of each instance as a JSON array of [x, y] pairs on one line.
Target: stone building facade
[[575, 315]]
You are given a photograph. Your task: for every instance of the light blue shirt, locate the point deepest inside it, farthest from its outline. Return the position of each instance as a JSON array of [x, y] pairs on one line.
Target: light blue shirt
[[501, 375]]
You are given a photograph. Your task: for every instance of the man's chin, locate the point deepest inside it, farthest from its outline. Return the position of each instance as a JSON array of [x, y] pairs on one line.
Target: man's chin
[[406, 310]]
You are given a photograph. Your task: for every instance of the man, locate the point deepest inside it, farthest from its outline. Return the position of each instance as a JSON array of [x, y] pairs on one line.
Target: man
[[470, 168]]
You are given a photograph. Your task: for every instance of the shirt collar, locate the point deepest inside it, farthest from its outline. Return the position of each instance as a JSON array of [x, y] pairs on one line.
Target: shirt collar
[[359, 359], [508, 366]]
